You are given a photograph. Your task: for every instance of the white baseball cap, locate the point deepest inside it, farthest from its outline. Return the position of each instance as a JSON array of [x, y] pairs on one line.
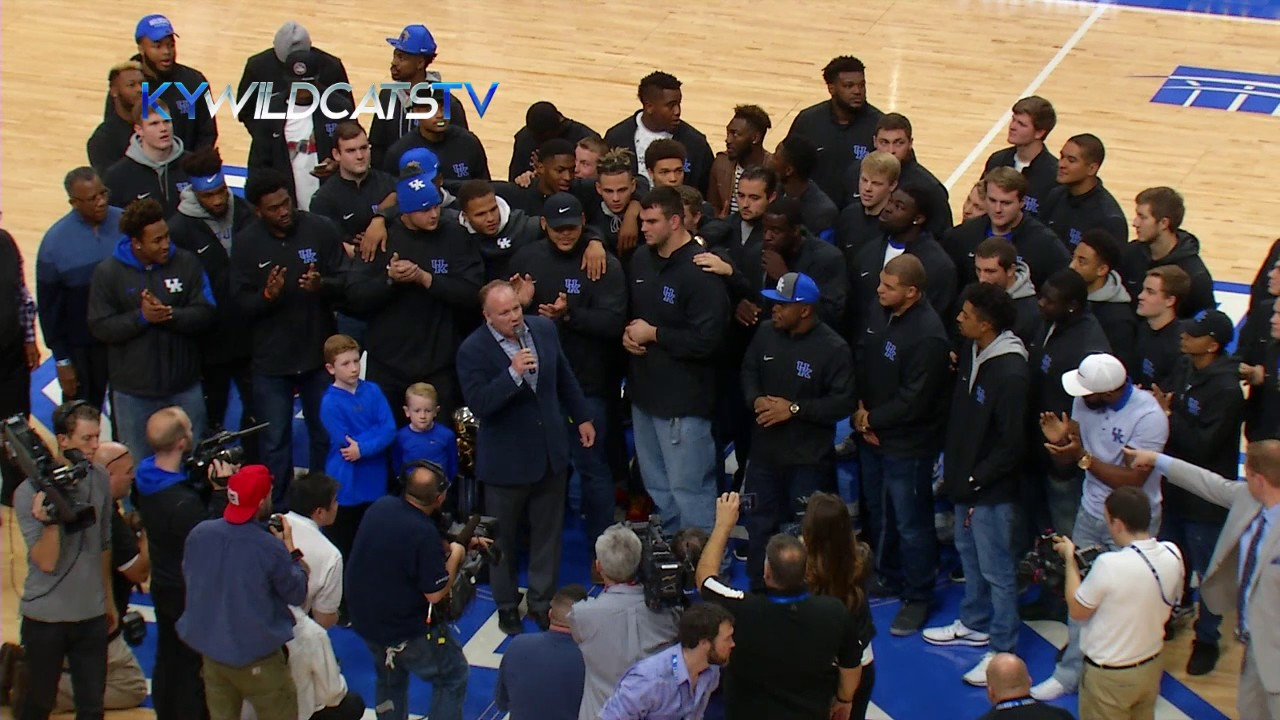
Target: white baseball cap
[[1098, 373]]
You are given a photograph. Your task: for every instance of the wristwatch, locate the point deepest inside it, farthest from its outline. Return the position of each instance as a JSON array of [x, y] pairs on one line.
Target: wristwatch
[[1085, 461], [296, 555], [795, 408]]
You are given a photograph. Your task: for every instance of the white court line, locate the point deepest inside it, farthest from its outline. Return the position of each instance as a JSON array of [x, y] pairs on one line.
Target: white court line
[[1048, 69]]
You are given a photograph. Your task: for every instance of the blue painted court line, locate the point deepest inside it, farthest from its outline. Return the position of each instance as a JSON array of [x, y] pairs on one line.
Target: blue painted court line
[[1256, 9], [1228, 90]]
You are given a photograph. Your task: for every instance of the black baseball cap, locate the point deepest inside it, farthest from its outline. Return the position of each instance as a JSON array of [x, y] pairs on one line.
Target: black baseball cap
[[1213, 323], [562, 210]]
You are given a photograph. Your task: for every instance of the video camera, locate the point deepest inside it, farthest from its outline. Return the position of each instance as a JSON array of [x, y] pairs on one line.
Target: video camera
[[220, 447], [57, 482], [666, 578], [1044, 566], [474, 564]]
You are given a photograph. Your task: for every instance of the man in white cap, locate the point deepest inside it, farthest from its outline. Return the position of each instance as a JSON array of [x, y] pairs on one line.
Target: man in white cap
[[269, 66], [1108, 414]]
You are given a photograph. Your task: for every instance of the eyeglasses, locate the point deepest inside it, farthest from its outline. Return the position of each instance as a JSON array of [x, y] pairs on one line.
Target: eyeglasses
[[104, 193]]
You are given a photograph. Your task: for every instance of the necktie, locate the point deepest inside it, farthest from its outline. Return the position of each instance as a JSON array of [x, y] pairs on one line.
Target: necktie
[[1250, 567]]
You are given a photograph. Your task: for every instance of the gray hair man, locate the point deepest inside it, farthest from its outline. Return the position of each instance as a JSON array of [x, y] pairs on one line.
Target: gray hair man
[[616, 630]]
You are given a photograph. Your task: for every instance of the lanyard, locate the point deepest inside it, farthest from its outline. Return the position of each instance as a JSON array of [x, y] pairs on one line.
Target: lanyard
[[1156, 575], [1007, 704]]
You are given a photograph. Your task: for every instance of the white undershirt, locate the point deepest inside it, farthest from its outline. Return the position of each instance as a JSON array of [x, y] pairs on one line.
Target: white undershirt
[[645, 138], [891, 252], [299, 132], [1018, 164]]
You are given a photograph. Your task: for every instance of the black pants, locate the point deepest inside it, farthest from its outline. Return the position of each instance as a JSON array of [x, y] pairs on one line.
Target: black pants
[[177, 687], [351, 708], [862, 696], [342, 533], [84, 646], [90, 363], [542, 504], [216, 380], [15, 399]]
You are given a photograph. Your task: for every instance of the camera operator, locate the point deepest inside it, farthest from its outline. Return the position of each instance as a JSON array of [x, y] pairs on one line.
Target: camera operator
[[398, 570], [170, 506], [797, 656], [616, 630], [67, 605], [126, 685], [1121, 607], [240, 583]]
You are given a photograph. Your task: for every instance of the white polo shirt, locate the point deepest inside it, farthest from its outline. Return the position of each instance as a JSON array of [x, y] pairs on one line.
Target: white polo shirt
[[1136, 420], [324, 584], [1130, 607]]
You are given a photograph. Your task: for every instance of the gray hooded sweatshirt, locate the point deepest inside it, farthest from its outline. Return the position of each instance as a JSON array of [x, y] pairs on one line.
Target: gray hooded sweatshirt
[[188, 205], [1112, 290], [161, 168], [1022, 286], [1006, 343]]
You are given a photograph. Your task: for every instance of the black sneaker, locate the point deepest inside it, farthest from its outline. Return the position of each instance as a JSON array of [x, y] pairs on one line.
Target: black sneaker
[[1203, 657], [910, 618], [879, 589], [957, 574], [509, 621]]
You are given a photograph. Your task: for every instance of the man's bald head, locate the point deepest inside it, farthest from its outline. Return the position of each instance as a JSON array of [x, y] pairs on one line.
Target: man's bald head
[[1007, 678], [167, 428], [119, 463]]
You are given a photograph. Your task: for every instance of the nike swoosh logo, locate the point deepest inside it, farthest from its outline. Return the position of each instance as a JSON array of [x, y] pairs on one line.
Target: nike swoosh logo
[[767, 358], [820, 149], [264, 264], [562, 211], [275, 135], [201, 250], [866, 273], [639, 280], [870, 331], [970, 254], [144, 195], [348, 216]]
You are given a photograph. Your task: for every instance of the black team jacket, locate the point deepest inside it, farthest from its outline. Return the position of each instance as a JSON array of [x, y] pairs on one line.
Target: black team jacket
[[697, 169], [839, 145], [1071, 216], [524, 145], [1154, 354], [270, 149], [1058, 348], [864, 275], [288, 332], [591, 331], [1204, 429], [1041, 175], [461, 154], [200, 132], [676, 377], [902, 375], [814, 371], [985, 434], [1037, 246], [1186, 255]]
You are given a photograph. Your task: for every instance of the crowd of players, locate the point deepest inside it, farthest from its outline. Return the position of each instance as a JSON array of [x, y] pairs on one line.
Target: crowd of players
[[742, 298]]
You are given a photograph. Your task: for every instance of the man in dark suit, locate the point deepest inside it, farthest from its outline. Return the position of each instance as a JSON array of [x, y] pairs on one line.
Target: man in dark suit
[[518, 383]]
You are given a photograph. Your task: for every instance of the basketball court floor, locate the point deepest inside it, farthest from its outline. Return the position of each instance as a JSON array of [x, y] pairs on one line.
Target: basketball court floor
[[1184, 93]]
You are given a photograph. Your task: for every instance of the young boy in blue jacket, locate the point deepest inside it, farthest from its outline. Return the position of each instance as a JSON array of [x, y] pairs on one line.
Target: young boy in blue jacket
[[424, 438]]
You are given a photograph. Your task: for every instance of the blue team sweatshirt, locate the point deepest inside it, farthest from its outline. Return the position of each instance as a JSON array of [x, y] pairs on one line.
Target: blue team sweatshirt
[[437, 444], [366, 417], [68, 255]]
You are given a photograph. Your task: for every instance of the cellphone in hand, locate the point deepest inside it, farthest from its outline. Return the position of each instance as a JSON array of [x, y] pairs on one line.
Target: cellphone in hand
[[747, 502]]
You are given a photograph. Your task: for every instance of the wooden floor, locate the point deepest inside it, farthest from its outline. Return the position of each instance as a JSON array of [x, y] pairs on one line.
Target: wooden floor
[[953, 66]]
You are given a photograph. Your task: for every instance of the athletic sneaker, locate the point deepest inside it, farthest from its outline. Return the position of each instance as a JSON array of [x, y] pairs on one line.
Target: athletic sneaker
[[956, 634], [1048, 690], [977, 677]]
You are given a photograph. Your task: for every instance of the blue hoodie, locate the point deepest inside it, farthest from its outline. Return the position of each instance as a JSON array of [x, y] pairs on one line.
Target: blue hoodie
[[365, 416], [144, 359], [150, 479]]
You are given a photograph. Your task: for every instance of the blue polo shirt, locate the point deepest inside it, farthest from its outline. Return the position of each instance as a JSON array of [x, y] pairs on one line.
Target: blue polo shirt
[[1135, 420], [397, 559], [541, 676]]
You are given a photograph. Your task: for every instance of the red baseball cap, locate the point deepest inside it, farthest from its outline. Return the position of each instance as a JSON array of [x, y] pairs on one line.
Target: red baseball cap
[[245, 493]]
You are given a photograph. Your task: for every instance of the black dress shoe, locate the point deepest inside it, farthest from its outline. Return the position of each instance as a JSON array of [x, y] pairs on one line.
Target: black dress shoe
[[541, 618], [1203, 657], [509, 621]]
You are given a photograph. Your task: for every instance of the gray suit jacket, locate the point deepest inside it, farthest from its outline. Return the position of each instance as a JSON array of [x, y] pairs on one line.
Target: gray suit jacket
[[1221, 584]]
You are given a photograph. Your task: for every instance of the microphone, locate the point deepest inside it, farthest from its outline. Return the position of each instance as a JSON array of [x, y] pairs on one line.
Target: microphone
[[521, 337]]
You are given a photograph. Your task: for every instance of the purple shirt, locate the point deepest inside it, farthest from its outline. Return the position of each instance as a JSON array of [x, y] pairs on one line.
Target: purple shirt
[[658, 688]]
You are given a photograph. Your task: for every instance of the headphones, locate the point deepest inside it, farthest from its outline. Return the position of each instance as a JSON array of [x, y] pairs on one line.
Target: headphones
[[406, 472], [62, 413]]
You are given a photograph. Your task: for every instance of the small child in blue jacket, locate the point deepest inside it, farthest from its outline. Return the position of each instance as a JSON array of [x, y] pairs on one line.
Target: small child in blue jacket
[[423, 438]]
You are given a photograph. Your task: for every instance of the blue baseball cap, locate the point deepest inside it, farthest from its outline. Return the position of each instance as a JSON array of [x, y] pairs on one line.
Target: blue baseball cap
[[154, 28], [415, 40], [793, 288], [426, 160], [417, 193]]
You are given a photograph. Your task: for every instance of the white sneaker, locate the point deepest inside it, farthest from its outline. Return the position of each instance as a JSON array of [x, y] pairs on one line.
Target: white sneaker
[[977, 677], [1048, 690], [955, 634]]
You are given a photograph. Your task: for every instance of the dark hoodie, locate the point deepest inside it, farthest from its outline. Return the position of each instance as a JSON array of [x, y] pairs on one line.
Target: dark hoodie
[[136, 176], [109, 142], [210, 239], [1026, 304], [1071, 216], [200, 132], [913, 174], [515, 231], [839, 144], [1060, 347], [697, 169], [1186, 255], [526, 144], [1111, 305], [170, 508], [1154, 354], [939, 272], [1041, 175], [460, 151], [143, 359], [591, 331], [985, 443], [1037, 246], [1204, 429]]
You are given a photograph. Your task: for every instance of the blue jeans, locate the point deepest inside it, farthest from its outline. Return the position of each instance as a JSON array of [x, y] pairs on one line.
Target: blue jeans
[[990, 605], [781, 494], [441, 664], [677, 459], [594, 474], [1088, 531], [130, 414], [1196, 540], [899, 495], [273, 403]]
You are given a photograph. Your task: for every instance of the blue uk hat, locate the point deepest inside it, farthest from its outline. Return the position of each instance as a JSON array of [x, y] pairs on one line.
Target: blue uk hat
[[426, 160], [793, 288], [417, 193], [414, 40], [154, 28]]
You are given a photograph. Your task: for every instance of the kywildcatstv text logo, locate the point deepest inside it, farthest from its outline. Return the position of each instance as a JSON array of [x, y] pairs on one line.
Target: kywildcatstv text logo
[[418, 98]]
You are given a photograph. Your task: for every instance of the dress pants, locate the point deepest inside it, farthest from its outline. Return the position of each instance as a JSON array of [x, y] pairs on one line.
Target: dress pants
[[542, 505]]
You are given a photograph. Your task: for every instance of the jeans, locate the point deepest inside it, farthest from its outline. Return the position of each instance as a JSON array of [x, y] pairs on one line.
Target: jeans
[[899, 495], [677, 459], [990, 605], [1088, 531], [592, 465], [84, 646], [780, 496], [273, 402], [1063, 489], [130, 414], [441, 664], [1196, 540]]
